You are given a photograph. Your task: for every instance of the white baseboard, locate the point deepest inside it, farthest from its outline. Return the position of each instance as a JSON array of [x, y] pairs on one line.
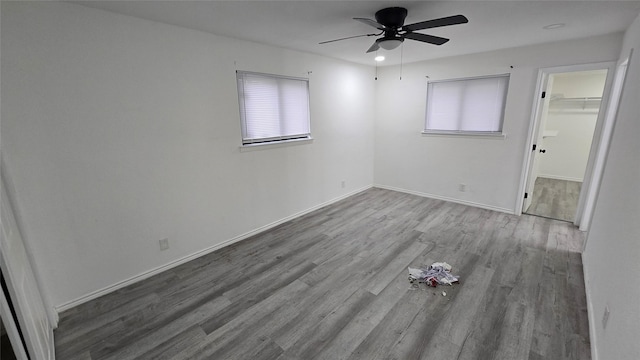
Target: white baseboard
[[590, 312], [182, 260], [558, 177], [445, 198]]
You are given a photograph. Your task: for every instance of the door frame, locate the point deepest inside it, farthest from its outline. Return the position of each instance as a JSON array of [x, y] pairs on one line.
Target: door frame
[[596, 149], [23, 289], [617, 88], [12, 329]]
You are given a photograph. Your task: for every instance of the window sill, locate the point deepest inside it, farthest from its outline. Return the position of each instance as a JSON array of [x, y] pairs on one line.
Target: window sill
[[275, 144], [476, 135]]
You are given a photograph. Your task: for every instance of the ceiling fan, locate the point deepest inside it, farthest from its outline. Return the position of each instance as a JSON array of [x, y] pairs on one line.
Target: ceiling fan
[[390, 21]]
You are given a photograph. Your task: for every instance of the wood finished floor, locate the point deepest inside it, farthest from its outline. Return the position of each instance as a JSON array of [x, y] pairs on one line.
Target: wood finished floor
[[555, 199], [333, 285]]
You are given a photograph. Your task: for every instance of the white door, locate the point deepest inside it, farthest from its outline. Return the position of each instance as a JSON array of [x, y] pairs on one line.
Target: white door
[[22, 286], [541, 114]]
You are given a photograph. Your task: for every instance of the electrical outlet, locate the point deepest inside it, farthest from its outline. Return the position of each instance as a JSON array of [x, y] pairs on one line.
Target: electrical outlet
[[164, 244], [605, 317], [343, 184], [462, 187]]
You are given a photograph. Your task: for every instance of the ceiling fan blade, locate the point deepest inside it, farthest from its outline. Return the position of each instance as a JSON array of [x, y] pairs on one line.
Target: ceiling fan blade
[[370, 22], [374, 47], [445, 21], [436, 40], [348, 37]]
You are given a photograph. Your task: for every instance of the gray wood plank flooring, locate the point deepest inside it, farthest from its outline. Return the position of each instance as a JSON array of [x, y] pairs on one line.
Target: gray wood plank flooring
[[555, 199], [333, 284]]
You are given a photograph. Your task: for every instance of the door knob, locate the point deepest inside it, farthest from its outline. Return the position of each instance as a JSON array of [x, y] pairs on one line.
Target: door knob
[[543, 151]]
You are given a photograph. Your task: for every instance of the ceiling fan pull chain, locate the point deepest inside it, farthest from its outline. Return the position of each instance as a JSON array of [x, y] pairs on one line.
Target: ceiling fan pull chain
[[376, 67], [401, 53]]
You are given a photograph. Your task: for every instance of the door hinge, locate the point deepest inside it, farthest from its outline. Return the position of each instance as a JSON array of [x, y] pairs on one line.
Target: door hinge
[[534, 147], [544, 94], [526, 195]]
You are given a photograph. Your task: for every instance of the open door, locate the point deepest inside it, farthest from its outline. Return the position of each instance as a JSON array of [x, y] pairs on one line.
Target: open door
[[537, 146], [32, 319]]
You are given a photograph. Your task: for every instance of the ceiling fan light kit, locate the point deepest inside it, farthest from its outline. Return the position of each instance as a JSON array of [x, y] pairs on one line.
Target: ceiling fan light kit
[[390, 21], [390, 44]]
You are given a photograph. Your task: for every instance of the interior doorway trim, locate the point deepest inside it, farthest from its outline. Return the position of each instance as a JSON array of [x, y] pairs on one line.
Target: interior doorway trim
[[10, 324], [534, 123], [619, 79]]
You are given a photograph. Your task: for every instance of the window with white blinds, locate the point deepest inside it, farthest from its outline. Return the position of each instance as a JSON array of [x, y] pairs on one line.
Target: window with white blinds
[[466, 106], [273, 108]]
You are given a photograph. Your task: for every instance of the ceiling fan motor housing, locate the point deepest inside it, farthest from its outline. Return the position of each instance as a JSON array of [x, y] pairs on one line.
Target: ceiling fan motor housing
[[392, 17]]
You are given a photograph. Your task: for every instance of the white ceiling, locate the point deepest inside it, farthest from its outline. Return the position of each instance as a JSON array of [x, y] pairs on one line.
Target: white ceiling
[[301, 25]]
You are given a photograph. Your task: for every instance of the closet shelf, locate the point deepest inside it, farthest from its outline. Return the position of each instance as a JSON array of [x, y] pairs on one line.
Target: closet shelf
[[577, 103]]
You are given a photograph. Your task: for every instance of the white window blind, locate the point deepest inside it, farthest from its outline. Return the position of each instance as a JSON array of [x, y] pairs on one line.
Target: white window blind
[[472, 105], [273, 108]]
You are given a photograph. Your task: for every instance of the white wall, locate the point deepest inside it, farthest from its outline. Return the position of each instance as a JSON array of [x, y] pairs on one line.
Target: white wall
[[567, 152], [612, 255], [118, 132], [491, 168]]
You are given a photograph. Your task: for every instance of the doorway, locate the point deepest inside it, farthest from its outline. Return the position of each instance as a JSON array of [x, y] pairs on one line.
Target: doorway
[[571, 99], [565, 134]]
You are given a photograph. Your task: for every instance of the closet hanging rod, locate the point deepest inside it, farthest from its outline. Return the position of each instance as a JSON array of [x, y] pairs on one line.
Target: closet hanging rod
[[578, 99]]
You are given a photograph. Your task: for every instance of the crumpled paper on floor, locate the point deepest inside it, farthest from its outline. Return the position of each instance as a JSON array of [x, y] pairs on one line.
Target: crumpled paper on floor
[[439, 273]]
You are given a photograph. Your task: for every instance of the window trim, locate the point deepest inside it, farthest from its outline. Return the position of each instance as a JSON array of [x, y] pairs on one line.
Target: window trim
[[472, 134], [468, 133], [283, 139], [270, 145]]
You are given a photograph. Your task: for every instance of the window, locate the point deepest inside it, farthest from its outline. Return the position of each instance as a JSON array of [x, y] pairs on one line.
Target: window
[[466, 106], [273, 108]]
